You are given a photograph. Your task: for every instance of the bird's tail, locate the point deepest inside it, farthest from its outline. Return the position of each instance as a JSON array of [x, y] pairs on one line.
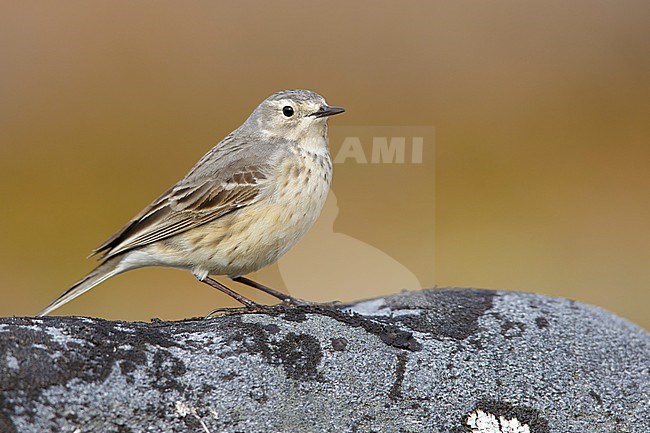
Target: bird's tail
[[102, 272]]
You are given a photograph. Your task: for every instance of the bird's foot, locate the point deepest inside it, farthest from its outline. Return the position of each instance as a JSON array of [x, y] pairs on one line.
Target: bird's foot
[[290, 301], [247, 309], [287, 303]]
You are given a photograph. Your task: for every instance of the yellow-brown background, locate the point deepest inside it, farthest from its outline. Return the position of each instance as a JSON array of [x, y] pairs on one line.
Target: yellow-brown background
[[542, 135]]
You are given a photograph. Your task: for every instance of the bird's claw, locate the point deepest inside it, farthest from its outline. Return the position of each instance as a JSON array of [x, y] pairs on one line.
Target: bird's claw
[[295, 302], [289, 302], [247, 309]]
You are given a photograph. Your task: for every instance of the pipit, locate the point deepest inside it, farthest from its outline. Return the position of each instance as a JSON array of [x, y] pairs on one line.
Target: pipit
[[239, 209]]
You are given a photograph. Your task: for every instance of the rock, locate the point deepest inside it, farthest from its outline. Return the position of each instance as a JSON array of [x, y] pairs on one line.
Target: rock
[[447, 361]]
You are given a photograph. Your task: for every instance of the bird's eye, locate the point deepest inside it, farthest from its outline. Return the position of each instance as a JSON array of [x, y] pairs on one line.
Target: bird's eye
[[287, 111]]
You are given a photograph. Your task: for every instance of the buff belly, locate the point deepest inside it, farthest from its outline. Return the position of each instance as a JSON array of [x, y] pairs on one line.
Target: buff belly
[[255, 236]]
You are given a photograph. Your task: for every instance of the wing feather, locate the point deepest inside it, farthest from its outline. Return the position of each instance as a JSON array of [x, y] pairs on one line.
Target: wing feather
[[184, 207]]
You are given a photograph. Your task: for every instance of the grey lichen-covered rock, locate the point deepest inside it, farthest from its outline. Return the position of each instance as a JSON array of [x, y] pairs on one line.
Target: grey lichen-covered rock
[[447, 361]]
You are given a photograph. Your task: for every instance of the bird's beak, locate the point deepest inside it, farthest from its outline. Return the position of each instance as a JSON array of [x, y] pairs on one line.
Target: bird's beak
[[326, 110]]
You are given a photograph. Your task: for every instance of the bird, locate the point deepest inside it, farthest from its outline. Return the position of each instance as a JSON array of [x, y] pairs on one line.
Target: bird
[[244, 204]]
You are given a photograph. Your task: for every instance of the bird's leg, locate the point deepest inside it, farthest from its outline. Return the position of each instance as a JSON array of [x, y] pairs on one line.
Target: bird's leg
[[239, 298], [287, 299]]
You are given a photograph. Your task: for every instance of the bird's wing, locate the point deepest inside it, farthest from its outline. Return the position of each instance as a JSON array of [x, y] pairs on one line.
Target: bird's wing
[[185, 206]]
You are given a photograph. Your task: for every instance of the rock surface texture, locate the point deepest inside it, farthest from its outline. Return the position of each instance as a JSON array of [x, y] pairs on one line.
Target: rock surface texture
[[447, 361]]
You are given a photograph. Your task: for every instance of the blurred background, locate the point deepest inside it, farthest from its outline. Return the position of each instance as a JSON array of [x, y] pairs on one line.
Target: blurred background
[[537, 178]]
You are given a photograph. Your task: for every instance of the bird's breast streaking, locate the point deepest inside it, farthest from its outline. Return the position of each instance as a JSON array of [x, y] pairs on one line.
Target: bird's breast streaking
[[244, 242]]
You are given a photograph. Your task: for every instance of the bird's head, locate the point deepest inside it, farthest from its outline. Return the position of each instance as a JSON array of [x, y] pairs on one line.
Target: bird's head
[[296, 115]]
